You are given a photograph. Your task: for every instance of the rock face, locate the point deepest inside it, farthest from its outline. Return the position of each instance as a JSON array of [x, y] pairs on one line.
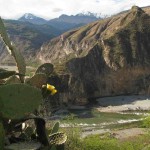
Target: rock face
[[104, 58], [27, 37], [124, 30]]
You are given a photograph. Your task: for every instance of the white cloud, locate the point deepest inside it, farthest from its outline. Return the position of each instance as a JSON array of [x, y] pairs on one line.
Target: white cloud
[[53, 8]]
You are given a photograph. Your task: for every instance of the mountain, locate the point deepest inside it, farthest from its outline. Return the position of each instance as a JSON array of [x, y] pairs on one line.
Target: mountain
[[65, 22], [30, 32], [105, 58], [27, 37], [28, 17]]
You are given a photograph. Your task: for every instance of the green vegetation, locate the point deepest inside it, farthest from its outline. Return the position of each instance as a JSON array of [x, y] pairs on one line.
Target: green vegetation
[[146, 122], [96, 117], [105, 142]]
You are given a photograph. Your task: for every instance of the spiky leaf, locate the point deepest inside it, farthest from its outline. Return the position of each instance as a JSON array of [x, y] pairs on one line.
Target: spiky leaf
[[37, 80], [4, 34], [14, 52], [55, 128], [18, 100], [46, 68], [57, 138]]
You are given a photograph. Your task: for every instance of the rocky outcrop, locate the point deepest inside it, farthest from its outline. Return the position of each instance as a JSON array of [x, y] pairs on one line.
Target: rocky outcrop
[[107, 57]]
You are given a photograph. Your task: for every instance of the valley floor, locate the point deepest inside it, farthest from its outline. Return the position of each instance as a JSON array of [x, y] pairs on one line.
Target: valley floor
[[122, 117]]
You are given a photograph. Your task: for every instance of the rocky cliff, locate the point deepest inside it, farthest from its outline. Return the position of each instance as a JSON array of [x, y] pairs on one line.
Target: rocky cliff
[[104, 58], [78, 42]]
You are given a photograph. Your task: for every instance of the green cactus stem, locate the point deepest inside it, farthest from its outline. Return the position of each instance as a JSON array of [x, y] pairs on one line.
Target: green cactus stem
[[46, 68], [18, 100], [14, 52], [37, 80], [55, 128]]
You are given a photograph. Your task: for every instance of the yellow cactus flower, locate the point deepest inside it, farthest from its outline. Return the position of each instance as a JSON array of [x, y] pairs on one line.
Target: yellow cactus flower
[[53, 92], [50, 87]]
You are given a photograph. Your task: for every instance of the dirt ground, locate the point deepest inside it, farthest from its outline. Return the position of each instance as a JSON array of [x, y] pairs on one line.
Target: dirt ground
[[120, 104], [128, 133]]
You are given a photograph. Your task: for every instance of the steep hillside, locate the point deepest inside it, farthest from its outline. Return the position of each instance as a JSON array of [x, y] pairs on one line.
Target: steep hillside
[[78, 42], [29, 32], [65, 22], [104, 58], [28, 37]]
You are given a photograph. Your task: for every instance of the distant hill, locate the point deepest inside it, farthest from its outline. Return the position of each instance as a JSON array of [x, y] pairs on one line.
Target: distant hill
[[65, 22], [28, 37], [28, 17], [29, 32]]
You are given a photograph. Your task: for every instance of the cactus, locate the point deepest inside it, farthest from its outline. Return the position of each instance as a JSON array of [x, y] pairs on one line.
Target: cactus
[[37, 80], [28, 132], [18, 100], [14, 52], [5, 74], [46, 68], [55, 128], [57, 138]]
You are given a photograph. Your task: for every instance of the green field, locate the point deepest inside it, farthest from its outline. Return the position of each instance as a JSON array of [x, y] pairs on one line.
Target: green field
[[91, 117]]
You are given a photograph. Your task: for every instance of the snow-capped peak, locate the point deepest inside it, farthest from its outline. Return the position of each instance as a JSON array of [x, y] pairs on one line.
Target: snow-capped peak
[[29, 16], [90, 14]]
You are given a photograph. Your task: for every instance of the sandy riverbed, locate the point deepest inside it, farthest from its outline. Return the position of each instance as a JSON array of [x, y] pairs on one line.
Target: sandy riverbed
[[123, 103]]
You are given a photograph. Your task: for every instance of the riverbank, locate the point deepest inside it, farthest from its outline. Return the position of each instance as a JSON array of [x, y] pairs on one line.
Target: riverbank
[[123, 103]]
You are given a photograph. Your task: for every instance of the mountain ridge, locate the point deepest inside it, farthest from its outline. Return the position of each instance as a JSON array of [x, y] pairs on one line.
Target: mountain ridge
[[91, 33], [104, 58], [28, 17], [30, 32], [63, 22]]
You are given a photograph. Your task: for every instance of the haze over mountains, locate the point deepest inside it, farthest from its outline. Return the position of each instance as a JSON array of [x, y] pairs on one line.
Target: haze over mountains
[[64, 22]]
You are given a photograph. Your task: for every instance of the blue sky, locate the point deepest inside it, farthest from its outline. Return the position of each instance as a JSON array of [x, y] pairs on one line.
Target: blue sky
[[48, 9]]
